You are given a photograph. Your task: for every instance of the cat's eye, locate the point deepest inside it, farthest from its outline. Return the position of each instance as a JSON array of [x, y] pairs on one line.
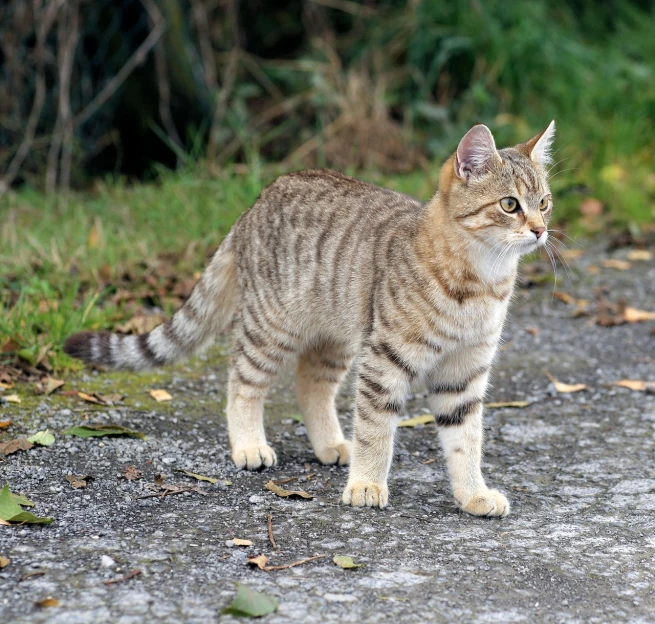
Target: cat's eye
[[509, 204], [543, 203]]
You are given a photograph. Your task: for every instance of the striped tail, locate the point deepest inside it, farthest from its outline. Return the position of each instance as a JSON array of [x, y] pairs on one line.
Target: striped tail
[[195, 325]]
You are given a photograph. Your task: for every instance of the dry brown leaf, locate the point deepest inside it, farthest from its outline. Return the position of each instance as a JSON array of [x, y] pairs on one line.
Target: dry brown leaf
[[241, 542], [423, 419], [636, 385], [20, 444], [6, 385], [47, 602], [563, 388], [276, 489], [593, 269], [572, 254], [564, 297], [632, 315], [12, 398], [140, 324], [131, 473], [508, 404], [48, 385], [78, 481], [89, 397], [260, 561], [4, 562], [5, 423], [533, 331], [619, 265], [160, 395], [640, 255]]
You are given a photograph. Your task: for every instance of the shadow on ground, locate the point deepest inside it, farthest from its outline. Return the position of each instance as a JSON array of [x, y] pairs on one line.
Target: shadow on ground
[[579, 469]]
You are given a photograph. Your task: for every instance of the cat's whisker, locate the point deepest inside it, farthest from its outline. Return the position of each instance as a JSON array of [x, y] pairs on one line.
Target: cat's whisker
[[575, 242], [555, 165], [565, 264], [552, 262], [562, 171]]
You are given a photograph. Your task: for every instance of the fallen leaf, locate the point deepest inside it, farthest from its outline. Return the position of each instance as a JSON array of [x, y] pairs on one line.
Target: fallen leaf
[[47, 602], [160, 395], [250, 603], [516, 404], [258, 561], [140, 324], [636, 385], [241, 542], [5, 423], [640, 255], [346, 563], [109, 399], [11, 510], [159, 479], [93, 431], [78, 482], [276, 489], [198, 476], [423, 419], [565, 388], [593, 269], [296, 417], [42, 438], [533, 331], [633, 315], [4, 562], [619, 265], [6, 385], [89, 397], [572, 254], [22, 500], [131, 473], [48, 385], [564, 297], [20, 444], [12, 398], [127, 577]]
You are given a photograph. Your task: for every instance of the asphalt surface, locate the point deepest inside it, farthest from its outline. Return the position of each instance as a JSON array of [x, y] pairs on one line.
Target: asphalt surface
[[579, 469]]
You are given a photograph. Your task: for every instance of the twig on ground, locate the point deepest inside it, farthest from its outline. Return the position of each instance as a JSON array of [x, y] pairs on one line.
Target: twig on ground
[[292, 565], [127, 577], [269, 523]]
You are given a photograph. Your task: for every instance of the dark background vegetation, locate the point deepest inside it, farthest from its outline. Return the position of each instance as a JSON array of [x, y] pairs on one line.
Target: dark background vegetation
[[133, 133]]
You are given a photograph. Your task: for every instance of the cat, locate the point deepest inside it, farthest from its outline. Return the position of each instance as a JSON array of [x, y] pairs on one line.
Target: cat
[[325, 270]]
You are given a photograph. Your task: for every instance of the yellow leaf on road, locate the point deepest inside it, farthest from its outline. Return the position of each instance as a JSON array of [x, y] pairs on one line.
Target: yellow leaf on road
[[632, 315], [619, 265], [516, 404], [241, 542], [423, 419], [565, 388], [12, 398], [160, 395], [636, 384], [642, 255]]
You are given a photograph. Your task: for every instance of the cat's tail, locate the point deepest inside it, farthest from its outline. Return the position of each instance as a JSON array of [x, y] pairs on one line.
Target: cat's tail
[[209, 308]]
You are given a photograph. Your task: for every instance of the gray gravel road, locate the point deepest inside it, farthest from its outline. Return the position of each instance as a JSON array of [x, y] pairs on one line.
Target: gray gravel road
[[579, 469]]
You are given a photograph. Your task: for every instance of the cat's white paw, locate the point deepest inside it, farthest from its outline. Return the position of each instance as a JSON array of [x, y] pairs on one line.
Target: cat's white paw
[[487, 503], [254, 457], [337, 454], [366, 494]]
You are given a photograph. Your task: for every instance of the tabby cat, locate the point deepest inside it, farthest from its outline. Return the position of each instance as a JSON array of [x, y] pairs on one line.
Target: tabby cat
[[325, 271]]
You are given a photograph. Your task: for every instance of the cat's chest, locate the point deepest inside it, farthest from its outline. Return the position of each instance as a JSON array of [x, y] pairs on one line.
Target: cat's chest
[[476, 320]]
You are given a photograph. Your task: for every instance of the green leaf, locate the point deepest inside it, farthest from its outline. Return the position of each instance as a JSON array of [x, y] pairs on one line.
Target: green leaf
[[296, 417], [43, 438], [199, 477], [11, 511], [250, 603], [346, 563], [95, 431], [21, 500]]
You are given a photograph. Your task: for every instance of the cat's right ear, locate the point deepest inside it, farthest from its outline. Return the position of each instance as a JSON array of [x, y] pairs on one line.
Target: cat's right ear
[[476, 153]]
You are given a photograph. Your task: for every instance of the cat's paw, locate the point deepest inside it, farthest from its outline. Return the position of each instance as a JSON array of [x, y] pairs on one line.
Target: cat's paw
[[366, 494], [487, 503], [337, 454], [254, 457]]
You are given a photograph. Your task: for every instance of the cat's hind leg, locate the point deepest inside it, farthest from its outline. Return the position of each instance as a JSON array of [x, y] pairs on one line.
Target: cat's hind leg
[[258, 356], [320, 371]]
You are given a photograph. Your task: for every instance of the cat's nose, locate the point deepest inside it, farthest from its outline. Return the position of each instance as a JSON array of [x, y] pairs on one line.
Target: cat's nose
[[538, 231]]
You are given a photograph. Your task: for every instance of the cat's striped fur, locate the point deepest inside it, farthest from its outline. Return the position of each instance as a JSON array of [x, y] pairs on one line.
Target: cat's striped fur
[[325, 270]]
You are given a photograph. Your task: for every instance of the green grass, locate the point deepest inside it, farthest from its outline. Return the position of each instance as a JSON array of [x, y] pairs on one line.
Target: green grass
[[63, 258]]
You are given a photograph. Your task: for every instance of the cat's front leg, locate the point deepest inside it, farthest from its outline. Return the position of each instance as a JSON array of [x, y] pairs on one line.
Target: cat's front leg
[[458, 412], [382, 385]]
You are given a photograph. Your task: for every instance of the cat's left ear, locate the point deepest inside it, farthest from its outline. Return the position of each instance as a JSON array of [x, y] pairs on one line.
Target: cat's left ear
[[539, 148]]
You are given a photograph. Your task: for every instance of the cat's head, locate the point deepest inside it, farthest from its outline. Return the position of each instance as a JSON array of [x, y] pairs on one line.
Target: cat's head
[[501, 197]]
